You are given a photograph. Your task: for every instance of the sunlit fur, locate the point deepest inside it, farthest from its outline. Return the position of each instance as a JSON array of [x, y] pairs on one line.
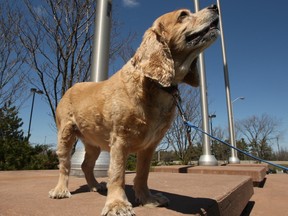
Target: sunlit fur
[[130, 112]]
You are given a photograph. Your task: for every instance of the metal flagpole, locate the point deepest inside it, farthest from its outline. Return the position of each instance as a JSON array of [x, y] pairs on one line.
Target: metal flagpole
[[99, 72], [206, 159], [101, 43], [234, 158]]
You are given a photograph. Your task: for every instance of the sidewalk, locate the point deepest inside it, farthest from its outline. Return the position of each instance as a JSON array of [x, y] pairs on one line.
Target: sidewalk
[[272, 199], [26, 193]]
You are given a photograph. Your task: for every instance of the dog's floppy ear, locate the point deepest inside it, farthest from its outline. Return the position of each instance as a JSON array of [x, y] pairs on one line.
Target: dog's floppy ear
[[154, 59], [192, 78]]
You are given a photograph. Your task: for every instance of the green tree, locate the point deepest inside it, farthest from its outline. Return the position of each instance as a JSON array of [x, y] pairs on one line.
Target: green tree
[[220, 151], [131, 162], [241, 144], [15, 151], [197, 151], [42, 157], [14, 147]]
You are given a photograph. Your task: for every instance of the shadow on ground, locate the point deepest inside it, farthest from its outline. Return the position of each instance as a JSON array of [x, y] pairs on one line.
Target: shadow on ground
[[178, 203], [248, 209]]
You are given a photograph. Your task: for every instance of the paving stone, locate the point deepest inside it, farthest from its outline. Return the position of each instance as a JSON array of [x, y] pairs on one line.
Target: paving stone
[[26, 193]]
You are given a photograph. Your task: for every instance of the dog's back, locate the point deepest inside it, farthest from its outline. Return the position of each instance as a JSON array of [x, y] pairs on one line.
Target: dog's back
[[132, 110], [136, 110]]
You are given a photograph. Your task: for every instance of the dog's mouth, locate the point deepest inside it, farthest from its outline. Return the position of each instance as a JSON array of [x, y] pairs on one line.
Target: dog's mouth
[[208, 33]]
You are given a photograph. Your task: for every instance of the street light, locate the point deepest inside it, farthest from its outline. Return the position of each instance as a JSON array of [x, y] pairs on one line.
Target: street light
[[238, 98], [211, 124], [211, 128], [33, 90], [234, 156]]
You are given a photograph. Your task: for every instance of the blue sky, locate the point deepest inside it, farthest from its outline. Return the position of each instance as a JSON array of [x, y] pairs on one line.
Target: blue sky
[[256, 37]]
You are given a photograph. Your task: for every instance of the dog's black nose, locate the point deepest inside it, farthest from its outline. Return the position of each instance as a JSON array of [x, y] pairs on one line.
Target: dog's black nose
[[214, 8]]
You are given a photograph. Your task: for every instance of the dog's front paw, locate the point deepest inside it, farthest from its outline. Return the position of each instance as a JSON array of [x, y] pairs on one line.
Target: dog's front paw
[[59, 193], [156, 200], [118, 208]]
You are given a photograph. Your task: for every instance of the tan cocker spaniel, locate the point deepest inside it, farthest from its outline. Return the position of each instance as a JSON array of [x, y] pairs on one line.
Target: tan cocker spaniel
[[132, 110]]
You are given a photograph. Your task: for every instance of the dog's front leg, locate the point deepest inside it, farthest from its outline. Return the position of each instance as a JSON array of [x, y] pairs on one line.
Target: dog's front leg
[[117, 202], [142, 192]]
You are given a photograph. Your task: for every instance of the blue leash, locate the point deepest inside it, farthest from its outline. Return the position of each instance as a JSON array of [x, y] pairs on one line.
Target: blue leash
[[189, 125]]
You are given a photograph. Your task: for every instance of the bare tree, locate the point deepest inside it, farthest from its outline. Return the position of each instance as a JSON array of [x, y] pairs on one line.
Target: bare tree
[[177, 137], [11, 56], [57, 35], [258, 130]]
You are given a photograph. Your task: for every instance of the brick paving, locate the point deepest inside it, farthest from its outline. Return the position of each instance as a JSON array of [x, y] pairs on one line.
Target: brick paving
[[26, 193]]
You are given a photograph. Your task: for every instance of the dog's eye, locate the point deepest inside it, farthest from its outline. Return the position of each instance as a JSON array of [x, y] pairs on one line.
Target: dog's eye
[[182, 15]]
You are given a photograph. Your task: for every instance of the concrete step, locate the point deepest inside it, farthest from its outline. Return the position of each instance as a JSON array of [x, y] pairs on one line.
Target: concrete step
[[250, 165], [26, 193], [171, 169], [257, 173]]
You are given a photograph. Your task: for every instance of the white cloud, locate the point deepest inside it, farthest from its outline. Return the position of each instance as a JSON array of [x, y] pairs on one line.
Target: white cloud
[[130, 3]]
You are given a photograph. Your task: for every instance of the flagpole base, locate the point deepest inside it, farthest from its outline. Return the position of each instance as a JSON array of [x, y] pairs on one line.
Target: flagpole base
[[207, 160], [234, 160]]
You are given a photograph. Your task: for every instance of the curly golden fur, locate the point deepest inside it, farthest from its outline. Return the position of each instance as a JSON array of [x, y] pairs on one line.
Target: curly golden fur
[[131, 111]]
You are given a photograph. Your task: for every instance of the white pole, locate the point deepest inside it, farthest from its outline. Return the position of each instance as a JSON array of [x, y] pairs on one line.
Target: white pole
[[234, 158], [206, 159], [99, 72], [101, 41]]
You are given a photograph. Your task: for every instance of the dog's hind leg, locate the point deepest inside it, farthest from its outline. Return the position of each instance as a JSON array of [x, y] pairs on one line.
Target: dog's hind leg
[[91, 155], [66, 140]]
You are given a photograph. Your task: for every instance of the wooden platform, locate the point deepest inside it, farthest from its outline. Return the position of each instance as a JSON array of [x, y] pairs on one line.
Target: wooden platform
[[257, 173], [26, 193], [251, 165]]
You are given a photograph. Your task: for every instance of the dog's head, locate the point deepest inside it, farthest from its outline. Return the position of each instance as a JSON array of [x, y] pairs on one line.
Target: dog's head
[[169, 51]]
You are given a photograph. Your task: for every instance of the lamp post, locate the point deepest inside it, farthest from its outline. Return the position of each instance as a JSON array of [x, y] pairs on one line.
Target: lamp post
[[211, 129], [211, 124], [238, 98], [33, 90], [234, 155]]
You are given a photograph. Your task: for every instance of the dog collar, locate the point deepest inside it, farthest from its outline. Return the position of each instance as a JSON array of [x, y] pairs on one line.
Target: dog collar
[[173, 89]]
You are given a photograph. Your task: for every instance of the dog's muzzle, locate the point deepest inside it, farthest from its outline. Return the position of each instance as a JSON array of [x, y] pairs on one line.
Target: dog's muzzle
[[208, 33]]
